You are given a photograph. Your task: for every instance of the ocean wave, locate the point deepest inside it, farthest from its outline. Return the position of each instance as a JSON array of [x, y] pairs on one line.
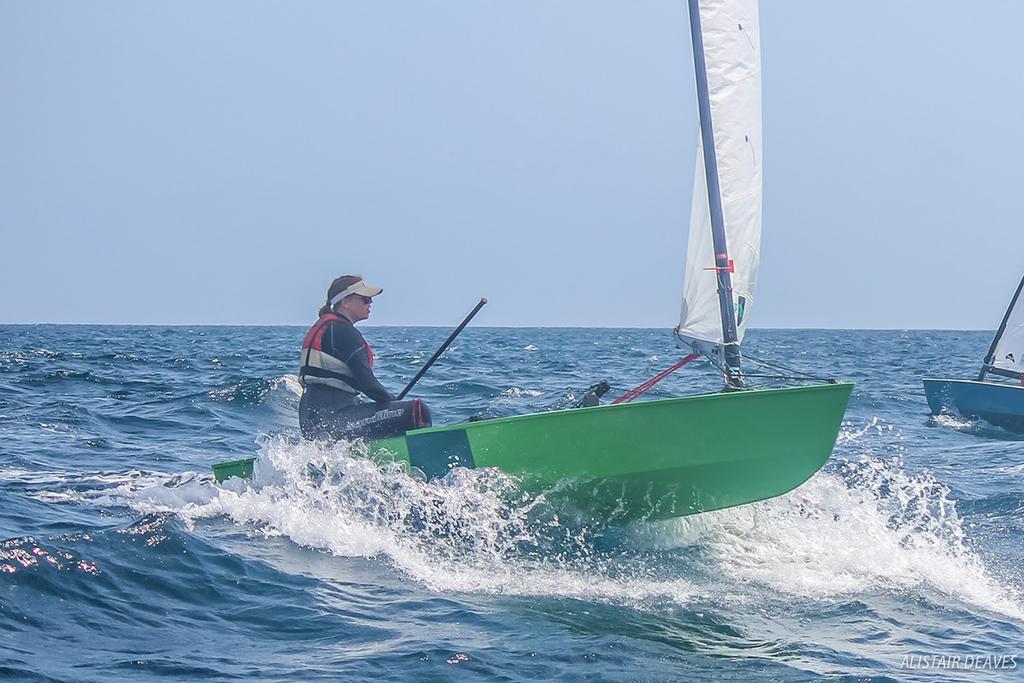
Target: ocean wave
[[474, 531], [865, 525], [19, 555], [518, 392], [862, 526], [908, 541], [976, 426]]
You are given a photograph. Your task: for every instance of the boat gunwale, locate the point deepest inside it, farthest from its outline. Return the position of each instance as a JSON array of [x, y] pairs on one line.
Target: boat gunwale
[[973, 381], [718, 395]]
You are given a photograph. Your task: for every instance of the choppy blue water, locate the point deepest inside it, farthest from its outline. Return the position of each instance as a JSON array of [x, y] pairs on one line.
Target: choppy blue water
[[119, 556]]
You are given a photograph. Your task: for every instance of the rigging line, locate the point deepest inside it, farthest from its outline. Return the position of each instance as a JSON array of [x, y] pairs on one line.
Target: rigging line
[[790, 378], [794, 374], [773, 364], [780, 366]]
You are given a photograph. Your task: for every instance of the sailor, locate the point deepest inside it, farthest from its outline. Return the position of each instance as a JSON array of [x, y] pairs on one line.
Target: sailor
[[337, 367]]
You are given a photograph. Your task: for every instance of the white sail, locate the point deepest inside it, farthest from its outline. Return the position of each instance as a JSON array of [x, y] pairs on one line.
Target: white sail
[[1009, 350], [732, 51]]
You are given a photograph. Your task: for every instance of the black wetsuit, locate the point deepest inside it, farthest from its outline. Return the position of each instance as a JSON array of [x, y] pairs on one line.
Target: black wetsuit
[[326, 411]]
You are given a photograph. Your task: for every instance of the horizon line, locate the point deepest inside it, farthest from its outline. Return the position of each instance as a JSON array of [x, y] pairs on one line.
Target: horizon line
[[501, 327]]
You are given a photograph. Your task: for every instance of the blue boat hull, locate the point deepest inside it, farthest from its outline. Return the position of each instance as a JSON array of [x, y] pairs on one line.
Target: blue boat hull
[[997, 403]]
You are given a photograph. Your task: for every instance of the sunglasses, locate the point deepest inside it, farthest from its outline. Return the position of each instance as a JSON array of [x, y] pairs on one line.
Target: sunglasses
[[365, 299]]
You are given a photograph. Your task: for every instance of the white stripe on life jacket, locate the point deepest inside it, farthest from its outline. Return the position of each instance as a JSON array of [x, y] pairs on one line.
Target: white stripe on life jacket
[[325, 361]]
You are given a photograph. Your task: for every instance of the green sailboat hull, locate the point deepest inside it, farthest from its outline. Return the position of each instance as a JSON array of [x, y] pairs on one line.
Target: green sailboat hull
[[650, 460]]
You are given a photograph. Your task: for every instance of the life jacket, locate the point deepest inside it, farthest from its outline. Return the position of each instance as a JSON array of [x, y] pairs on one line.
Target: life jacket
[[319, 367]]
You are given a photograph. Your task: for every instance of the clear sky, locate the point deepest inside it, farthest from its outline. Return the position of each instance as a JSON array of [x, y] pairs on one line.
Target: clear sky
[[220, 162]]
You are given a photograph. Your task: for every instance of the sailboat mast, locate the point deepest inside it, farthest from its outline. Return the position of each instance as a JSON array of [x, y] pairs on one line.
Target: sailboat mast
[[986, 365], [722, 269]]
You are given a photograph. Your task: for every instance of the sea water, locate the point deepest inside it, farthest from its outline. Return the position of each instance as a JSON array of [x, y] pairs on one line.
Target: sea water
[[120, 556]]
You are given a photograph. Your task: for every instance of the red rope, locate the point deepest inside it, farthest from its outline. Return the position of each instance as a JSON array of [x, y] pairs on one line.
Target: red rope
[[633, 393]]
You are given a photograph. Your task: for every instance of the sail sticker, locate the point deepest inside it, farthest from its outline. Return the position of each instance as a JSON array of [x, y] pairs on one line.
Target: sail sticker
[[741, 309]]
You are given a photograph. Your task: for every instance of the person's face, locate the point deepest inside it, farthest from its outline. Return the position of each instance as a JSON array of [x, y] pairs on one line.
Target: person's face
[[356, 307]]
